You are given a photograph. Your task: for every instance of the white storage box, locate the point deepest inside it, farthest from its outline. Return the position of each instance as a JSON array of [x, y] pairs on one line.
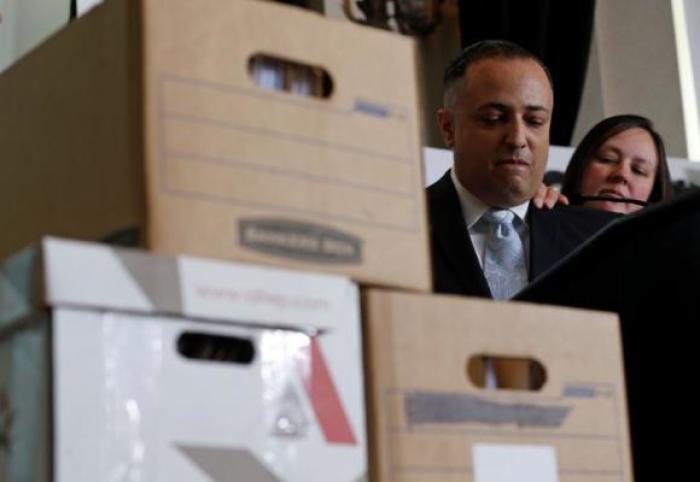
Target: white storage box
[[116, 365]]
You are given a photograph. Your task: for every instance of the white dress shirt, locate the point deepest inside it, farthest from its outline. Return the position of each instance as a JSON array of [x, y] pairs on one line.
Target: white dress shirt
[[473, 209]]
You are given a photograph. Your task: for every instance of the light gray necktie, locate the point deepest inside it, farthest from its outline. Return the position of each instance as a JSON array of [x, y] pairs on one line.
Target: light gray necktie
[[504, 256]]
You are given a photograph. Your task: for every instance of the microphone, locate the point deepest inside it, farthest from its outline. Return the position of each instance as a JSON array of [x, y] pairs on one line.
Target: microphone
[[578, 198]]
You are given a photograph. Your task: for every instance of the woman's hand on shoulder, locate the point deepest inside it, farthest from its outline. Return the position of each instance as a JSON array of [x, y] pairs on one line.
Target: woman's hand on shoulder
[[548, 197]]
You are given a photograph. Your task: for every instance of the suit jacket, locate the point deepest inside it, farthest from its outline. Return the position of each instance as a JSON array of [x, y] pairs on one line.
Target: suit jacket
[[554, 233]]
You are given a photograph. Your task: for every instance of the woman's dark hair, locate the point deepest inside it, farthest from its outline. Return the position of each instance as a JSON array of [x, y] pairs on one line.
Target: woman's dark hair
[[601, 132]]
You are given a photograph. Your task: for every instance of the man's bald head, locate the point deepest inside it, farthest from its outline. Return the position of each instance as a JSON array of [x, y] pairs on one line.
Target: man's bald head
[[485, 49]]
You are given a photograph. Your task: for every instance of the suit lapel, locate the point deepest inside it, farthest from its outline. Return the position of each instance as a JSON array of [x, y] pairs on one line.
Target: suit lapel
[[451, 236], [544, 230]]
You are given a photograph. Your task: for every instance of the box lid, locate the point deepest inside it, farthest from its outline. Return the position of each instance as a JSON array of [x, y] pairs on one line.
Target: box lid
[[60, 272]]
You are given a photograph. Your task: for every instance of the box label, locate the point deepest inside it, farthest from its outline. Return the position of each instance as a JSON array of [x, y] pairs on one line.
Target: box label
[[304, 241], [514, 463], [452, 408]]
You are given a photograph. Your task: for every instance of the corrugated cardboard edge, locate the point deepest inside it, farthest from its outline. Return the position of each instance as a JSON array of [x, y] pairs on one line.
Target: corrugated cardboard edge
[[84, 175], [377, 469]]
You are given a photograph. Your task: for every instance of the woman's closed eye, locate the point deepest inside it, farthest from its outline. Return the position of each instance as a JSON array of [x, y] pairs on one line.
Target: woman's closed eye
[[606, 159], [641, 170]]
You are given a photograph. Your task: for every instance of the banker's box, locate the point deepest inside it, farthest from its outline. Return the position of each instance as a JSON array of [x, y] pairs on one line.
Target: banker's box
[[162, 115], [116, 364], [434, 416]]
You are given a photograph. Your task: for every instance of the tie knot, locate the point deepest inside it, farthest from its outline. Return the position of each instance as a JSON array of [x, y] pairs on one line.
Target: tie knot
[[500, 222], [499, 216]]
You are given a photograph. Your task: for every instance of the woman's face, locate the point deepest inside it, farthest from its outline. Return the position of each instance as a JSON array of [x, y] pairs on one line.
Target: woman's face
[[623, 166]]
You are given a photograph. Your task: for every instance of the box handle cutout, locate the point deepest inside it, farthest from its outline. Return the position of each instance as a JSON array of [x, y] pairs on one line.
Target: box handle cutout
[[208, 347], [276, 73], [506, 373]]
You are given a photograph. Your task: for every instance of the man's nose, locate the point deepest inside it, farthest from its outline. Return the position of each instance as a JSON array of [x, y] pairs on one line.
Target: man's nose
[[515, 137]]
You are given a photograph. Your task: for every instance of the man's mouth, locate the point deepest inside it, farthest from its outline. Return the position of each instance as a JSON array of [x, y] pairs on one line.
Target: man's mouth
[[513, 162]]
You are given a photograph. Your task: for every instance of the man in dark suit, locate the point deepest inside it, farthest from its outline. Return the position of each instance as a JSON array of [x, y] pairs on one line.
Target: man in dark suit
[[496, 116]]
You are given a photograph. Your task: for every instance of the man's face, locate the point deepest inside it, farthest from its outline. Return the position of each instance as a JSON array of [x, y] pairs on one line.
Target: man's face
[[497, 124]]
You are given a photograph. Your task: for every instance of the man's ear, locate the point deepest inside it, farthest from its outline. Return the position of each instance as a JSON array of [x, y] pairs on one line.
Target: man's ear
[[446, 124]]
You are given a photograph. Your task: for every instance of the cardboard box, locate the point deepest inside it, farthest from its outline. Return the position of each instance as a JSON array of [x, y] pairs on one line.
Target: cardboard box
[[431, 421], [119, 365], [146, 114]]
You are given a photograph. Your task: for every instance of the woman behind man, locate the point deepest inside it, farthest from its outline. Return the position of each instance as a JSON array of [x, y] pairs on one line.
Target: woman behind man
[[621, 157]]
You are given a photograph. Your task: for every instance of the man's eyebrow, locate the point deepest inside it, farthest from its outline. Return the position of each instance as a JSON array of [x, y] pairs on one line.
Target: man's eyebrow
[[494, 105], [536, 108], [505, 107]]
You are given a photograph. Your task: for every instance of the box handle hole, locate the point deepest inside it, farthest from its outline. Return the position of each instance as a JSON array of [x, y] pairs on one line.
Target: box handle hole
[[208, 347], [506, 373], [297, 78]]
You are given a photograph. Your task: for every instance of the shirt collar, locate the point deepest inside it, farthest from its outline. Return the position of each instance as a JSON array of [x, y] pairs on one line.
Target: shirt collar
[[473, 208]]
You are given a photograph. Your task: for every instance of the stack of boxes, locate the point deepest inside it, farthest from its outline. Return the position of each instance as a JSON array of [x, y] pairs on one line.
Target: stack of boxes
[[145, 123]]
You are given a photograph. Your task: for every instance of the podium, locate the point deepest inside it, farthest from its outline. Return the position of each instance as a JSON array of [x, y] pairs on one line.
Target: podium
[[646, 268]]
